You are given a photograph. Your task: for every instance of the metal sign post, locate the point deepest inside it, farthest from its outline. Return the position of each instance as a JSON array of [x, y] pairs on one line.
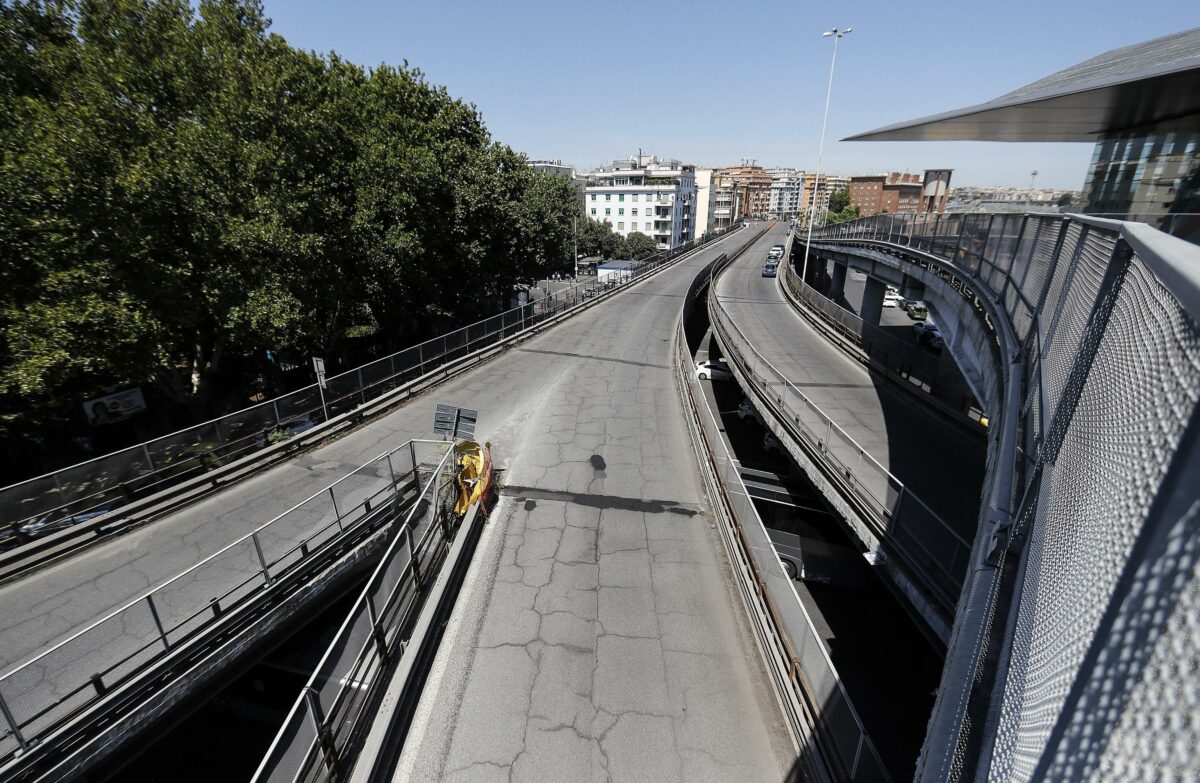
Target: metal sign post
[[319, 366]]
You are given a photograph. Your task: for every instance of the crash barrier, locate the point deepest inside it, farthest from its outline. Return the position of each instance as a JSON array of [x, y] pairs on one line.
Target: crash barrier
[[1084, 587], [825, 727], [919, 369], [44, 516], [74, 678], [905, 525]]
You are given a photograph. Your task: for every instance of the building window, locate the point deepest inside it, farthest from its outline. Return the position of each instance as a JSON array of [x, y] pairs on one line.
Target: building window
[[593, 197], [608, 197], [593, 210], [621, 210], [621, 197], [633, 211], [647, 226], [620, 226], [608, 210]]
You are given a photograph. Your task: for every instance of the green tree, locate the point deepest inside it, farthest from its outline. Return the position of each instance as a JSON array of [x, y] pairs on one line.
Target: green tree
[[597, 238], [1066, 199], [839, 200], [181, 190], [638, 246]]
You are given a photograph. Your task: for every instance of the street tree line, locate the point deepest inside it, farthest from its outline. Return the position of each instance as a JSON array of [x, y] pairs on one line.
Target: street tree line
[[183, 193]]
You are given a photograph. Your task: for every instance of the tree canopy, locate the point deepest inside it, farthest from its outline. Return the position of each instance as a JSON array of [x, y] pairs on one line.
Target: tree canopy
[[638, 246], [181, 190]]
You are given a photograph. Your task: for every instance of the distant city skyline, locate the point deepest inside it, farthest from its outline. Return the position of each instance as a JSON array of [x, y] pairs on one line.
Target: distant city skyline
[[551, 87]]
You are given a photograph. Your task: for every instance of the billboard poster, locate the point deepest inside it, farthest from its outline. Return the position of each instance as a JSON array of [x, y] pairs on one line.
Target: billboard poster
[[114, 407]]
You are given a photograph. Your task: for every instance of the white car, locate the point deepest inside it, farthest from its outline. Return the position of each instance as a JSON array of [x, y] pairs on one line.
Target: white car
[[892, 299], [716, 370]]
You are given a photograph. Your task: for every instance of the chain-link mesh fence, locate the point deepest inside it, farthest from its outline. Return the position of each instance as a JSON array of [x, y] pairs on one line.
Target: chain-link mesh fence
[[1100, 676]]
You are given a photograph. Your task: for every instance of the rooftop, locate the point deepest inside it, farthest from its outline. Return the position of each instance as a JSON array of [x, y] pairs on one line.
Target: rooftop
[[1135, 85]]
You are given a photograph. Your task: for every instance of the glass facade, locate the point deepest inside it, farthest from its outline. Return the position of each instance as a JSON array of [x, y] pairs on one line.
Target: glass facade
[[1150, 174]]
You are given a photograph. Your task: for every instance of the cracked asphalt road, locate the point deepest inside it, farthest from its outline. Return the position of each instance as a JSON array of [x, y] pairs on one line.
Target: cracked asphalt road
[[611, 646]]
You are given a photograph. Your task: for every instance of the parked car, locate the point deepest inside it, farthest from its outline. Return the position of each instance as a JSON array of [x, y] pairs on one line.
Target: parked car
[[893, 299], [715, 369], [770, 270], [916, 310], [771, 444]]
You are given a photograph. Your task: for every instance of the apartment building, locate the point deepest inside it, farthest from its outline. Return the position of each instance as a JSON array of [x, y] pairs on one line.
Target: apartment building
[[646, 194], [900, 192], [787, 186], [753, 184], [824, 188]]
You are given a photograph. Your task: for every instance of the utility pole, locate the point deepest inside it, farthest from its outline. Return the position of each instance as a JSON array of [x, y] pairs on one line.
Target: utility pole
[[812, 214], [576, 222]]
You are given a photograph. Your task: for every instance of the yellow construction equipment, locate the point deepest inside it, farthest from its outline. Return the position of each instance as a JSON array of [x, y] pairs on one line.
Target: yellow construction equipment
[[474, 474]]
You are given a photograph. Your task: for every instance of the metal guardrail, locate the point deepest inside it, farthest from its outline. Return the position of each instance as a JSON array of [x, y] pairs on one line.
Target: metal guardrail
[[317, 737], [48, 691], [827, 730], [904, 523], [86, 498]]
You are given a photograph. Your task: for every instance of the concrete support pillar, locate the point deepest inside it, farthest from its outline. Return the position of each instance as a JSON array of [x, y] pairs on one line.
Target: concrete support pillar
[[872, 301], [837, 285], [912, 288]]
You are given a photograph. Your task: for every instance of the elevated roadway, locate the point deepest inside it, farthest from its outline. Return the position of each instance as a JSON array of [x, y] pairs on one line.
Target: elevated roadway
[[935, 458], [598, 634]]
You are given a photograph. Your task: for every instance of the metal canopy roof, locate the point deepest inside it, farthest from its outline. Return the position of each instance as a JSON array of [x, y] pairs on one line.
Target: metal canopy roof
[[1135, 85]]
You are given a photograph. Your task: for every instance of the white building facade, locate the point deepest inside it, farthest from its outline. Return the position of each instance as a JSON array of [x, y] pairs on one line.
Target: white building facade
[[645, 194], [787, 190]]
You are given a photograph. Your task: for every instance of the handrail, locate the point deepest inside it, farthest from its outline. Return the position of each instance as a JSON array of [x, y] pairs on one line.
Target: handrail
[[144, 619]]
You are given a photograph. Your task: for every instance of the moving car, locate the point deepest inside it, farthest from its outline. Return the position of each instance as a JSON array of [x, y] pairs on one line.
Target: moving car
[[771, 444], [916, 310], [923, 328], [770, 270], [747, 412], [775, 252], [893, 299], [715, 369]]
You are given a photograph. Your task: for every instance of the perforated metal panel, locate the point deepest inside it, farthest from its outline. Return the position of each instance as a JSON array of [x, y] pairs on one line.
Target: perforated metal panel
[[1140, 393]]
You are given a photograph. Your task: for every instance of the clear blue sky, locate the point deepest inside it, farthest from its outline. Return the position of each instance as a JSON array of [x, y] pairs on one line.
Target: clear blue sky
[[712, 83]]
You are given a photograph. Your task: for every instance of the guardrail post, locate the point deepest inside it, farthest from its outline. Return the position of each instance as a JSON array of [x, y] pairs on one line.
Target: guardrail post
[[266, 572], [328, 751], [275, 407], [362, 393], [391, 470], [376, 631], [336, 513], [149, 459], [162, 633], [413, 565], [12, 725]]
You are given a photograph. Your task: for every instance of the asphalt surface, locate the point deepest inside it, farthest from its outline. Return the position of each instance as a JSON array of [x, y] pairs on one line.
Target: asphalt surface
[[598, 637], [935, 458]]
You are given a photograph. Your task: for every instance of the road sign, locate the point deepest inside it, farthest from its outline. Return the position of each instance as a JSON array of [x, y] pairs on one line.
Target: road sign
[[455, 422], [319, 366]]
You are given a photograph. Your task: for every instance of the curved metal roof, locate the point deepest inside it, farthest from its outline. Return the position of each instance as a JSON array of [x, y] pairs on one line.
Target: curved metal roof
[[1135, 85]]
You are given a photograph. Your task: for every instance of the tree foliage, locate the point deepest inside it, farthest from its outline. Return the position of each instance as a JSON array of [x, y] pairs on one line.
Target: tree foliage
[[638, 246], [840, 209], [181, 190], [597, 238]]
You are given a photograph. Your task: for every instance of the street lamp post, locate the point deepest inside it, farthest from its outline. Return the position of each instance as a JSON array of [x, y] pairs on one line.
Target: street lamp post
[[812, 212], [576, 235]]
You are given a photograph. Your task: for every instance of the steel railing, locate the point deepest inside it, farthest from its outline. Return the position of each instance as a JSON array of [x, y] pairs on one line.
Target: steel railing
[[904, 523], [79, 493], [327, 716], [48, 691], [820, 715]]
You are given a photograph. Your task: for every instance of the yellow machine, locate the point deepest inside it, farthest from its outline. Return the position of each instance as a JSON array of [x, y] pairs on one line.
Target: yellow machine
[[474, 474]]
